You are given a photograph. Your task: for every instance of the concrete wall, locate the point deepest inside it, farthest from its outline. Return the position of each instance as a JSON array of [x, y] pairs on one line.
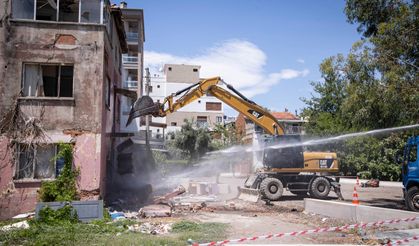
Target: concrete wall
[[179, 73]]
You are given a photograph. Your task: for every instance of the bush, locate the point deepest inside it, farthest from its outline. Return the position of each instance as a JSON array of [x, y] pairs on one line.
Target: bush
[[50, 216], [64, 187]]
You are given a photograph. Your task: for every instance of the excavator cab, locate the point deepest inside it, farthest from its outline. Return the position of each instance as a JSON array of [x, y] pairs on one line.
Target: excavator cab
[[284, 151]]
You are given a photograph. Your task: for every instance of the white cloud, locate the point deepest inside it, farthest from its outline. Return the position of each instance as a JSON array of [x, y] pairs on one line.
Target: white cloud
[[240, 63], [301, 61]]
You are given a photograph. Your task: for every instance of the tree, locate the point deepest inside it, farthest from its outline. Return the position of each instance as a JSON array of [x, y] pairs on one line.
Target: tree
[[192, 140], [374, 86]]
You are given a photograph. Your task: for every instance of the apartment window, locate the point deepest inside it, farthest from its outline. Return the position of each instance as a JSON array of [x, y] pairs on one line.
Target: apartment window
[[46, 80], [86, 11], [170, 68], [150, 89], [38, 162], [158, 86], [23, 9], [90, 11], [173, 124], [69, 10], [201, 121], [213, 106], [219, 119], [195, 69]]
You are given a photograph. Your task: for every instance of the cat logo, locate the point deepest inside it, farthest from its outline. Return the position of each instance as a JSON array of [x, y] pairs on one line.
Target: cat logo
[[255, 113]]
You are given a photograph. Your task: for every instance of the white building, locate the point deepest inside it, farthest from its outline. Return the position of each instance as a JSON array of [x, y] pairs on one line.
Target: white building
[[206, 111]]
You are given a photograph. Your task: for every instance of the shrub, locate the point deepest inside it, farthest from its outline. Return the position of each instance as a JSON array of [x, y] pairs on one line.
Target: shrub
[[64, 187]]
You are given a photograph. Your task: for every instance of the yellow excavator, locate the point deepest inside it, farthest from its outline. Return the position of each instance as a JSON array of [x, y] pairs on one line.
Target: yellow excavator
[[285, 164]]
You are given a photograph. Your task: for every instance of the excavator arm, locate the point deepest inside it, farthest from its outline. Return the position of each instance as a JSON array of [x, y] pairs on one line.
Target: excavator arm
[[259, 115]]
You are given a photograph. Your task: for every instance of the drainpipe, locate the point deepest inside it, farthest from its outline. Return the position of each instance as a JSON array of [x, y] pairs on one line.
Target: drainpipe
[[147, 92]]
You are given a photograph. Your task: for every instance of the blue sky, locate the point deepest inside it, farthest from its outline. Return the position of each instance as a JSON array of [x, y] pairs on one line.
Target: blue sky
[[270, 50]]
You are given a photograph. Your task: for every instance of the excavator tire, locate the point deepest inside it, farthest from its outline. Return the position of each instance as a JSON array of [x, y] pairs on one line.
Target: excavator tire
[[320, 188], [271, 188]]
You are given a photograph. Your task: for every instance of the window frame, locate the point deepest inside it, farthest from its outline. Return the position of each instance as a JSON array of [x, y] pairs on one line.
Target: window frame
[[34, 152], [22, 86], [102, 4]]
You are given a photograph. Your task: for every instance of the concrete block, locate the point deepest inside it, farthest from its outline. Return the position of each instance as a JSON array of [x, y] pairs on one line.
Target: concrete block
[[330, 209], [356, 213], [371, 214]]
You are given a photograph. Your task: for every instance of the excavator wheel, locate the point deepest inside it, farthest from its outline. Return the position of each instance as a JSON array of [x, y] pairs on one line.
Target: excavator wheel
[[271, 188], [320, 188]]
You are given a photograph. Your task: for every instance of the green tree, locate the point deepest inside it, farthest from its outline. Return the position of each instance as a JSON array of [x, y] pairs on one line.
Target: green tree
[[374, 86], [192, 140]]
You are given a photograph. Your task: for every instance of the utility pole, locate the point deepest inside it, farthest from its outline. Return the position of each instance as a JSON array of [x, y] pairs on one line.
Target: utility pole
[[147, 117]]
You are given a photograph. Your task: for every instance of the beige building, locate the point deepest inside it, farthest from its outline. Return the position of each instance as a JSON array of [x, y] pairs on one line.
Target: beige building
[[207, 111]]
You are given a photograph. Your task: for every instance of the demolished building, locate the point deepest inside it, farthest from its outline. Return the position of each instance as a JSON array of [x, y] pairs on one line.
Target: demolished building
[[60, 68]]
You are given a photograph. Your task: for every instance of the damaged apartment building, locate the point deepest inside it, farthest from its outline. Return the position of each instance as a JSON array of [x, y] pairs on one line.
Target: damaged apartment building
[[60, 82]]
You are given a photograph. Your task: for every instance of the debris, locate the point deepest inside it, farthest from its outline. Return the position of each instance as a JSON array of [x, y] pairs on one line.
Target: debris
[[117, 215], [371, 183], [156, 210], [23, 216], [165, 199], [19, 225], [151, 228], [324, 220], [131, 215], [203, 188]]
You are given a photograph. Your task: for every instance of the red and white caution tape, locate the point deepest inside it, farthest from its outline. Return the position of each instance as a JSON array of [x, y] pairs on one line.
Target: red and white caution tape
[[403, 241], [318, 230]]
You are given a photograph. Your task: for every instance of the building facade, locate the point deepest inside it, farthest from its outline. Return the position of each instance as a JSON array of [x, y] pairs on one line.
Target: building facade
[[60, 68]]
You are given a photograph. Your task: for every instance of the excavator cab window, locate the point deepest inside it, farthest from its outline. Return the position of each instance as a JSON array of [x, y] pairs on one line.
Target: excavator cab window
[[284, 151]]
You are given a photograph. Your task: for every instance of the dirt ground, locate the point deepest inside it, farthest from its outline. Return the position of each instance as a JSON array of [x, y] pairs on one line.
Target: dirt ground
[[251, 219]]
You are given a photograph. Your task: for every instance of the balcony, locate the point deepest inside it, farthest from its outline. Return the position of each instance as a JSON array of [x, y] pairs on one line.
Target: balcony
[[129, 60], [132, 37], [130, 84]]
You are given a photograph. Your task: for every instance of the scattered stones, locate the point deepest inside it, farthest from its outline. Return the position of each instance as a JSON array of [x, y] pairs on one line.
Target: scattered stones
[[151, 228]]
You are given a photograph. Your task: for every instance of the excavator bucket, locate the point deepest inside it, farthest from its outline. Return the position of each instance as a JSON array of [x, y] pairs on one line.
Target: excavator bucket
[[142, 107], [249, 192]]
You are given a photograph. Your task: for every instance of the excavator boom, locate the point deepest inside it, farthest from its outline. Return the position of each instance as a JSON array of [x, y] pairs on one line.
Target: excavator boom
[[262, 117]]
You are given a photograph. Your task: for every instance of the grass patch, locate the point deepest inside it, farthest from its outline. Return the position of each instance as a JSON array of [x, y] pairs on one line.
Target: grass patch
[[103, 233]]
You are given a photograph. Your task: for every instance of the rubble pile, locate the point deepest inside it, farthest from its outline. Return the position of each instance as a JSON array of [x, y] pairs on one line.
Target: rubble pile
[[151, 228]]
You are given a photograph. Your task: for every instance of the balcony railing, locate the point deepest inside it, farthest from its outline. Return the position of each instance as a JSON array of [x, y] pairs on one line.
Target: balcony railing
[[131, 84], [132, 60], [132, 36]]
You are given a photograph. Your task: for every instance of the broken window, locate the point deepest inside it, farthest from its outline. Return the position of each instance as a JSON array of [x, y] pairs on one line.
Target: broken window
[[46, 10], [69, 10], [90, 11], [38, 162], [48, 80], [23, 9]]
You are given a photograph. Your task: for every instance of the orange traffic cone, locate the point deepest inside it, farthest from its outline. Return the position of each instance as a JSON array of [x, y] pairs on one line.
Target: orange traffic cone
[[355, 197], [357, 181]]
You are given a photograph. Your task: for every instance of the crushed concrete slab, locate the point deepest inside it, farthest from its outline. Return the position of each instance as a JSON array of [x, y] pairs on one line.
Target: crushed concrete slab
[[19, 225], [151, 228], [155, 210], [25, 215]]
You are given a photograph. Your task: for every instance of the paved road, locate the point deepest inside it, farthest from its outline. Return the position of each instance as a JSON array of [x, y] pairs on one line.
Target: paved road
[[388, 196]]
